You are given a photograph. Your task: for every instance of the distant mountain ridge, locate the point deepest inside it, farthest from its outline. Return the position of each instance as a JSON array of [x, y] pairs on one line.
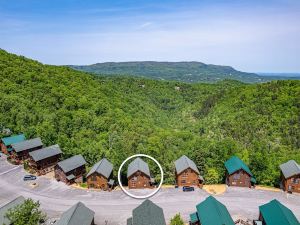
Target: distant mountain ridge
[[189, 72]]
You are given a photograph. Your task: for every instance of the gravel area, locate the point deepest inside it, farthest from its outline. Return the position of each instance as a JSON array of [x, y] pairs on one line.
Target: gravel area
[[113, 208]]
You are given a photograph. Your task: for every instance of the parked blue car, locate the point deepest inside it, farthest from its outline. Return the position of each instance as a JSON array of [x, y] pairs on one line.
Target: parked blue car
[[188, 188], [29, 177]]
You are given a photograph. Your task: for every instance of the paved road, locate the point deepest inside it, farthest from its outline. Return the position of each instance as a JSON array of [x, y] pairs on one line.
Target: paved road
[[115, 207]]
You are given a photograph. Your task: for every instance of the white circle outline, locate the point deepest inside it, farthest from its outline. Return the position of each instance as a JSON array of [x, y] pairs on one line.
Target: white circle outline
[[140, 196]]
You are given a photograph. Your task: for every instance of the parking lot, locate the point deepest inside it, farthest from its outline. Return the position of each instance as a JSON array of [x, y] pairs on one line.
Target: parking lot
[[115, 207]]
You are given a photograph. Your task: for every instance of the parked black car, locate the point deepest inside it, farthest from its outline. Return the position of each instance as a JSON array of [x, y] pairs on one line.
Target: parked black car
[[188, 188], [29, 177]]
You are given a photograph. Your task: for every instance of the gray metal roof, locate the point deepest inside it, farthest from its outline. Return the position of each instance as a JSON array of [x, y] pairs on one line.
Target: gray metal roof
[[71, 163], [290, 168], [70, 177], [78, 214], [184, 163], [129, 221], [103, 167], [28, 144], [138, 165], [45, 152], [4, 209], [148, 213]]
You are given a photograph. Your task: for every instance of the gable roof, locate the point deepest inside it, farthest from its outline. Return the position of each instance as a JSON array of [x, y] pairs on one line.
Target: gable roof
[[78, 214], [184, 163], [28, 144], [138, 165], [211, 211], [71, 163], [290, 168], [103, 167], [45, 152], [148, 213], [13, 139], [4, 209], [234, 164], [274, 213]]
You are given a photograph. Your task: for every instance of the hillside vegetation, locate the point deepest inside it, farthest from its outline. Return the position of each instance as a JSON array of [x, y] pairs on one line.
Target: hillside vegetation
[[189, 72], [116, 117]]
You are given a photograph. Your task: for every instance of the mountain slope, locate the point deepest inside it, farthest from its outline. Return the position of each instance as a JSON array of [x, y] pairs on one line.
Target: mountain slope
[[180, 71], [119, 116]]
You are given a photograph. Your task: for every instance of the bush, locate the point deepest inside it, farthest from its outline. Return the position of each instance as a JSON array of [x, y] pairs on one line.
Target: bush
[[176, 220]]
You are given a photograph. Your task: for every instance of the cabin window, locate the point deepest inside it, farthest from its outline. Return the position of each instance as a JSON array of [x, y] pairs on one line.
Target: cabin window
[[295, 180], [236, 176], [185, 175], [183, 181], [94, 178]]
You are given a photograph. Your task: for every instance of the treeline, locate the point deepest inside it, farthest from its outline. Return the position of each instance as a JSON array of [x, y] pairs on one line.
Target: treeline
[[119, 116]]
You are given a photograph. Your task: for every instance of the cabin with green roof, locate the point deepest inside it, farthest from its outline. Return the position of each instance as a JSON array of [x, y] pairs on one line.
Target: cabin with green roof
[[238, 173], [275, 213], [6, 142], [209, 212]]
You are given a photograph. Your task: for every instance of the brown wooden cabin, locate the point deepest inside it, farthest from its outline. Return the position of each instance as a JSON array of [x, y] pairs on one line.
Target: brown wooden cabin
[[187, 173], [100, 174], [138, 175], [6, 142], [71, 170], [78, 214], [290, 176], [44, 160], [238, 174], [20, 151]]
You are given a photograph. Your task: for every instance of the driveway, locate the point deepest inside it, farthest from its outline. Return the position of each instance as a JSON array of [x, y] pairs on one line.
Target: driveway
[[115, 207]]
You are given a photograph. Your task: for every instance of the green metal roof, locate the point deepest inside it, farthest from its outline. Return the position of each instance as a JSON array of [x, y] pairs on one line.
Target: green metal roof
[[148, 213], [211, 211], [13, 139], [234, 164], [194, 217], [253, 180], [274, 213]]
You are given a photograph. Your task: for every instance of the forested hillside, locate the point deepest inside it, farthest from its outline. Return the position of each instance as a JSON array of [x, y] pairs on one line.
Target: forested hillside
[[189, 72], [118, 116]]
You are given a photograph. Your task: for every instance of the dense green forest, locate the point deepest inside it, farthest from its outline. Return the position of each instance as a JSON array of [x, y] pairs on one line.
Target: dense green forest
[[116, 117], [189, 72]]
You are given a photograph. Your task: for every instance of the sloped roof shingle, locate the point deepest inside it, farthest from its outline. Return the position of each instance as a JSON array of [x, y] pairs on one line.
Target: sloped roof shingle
[[103, 167], [274, 213], [234, 164], [211, 211], [71, 163], [4, 209], [28, 144], [78, 214], [45, 152], [13, 139], [290, 168], [138, 165], [184, 163], [147, 213]]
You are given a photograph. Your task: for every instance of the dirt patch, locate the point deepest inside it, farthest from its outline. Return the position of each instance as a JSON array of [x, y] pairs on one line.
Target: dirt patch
[[265, 188], [49, 175], [215, 189]]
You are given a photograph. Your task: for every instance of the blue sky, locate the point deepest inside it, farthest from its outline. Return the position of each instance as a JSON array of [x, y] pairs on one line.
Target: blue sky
[[256, 36]]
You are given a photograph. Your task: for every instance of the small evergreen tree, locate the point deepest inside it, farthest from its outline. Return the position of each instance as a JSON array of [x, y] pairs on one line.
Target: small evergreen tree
[[177, 220], [27, 213]]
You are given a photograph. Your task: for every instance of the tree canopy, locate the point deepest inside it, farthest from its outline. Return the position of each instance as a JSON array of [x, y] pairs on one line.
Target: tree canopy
[[116, 117]]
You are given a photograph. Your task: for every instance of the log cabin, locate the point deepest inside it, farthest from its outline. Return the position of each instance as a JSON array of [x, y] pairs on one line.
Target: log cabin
[[187, 173], [78, 214], [100, 175], [147, 213], [290, 176], [44, 160], [20, 151], [6, 142], [238, 173], [71, 170], [138, 175], [275, 213], [209, 212]]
